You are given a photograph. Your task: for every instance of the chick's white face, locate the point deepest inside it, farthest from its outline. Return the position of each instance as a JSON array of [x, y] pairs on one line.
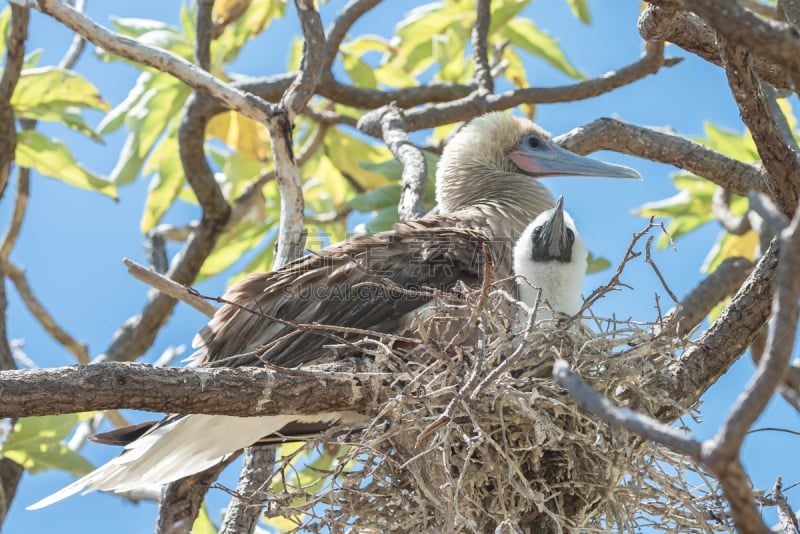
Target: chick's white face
[[560, 278]]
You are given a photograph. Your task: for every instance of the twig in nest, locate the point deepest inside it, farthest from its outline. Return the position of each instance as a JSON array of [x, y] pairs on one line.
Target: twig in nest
[[615, 282], [652, 264]]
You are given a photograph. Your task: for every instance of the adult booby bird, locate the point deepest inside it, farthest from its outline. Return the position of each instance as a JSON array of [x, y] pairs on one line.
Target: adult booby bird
[[550, 256], [485, 195]]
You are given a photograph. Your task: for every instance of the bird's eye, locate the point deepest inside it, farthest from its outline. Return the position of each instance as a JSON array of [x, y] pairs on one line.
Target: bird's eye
[[570, 235], [532, 141]]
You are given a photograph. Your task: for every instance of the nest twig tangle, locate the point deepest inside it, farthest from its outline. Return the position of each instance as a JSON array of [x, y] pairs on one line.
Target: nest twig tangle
[[477, 436]]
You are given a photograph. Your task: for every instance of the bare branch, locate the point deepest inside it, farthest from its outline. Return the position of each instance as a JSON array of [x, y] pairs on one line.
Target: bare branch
[[295, 98], [221, 391], [640, 424], [724, 281], [76, 46], [165, 285], [37, 309], [181, 500], [480, 54], [776, 41], [691, 33], [688, 377], [20, 207], [768, 212], [781, 162], [204, 34], [244, 511], [473, 105], [720, 205], [292, 234], [775, 363], [337, 31], [415, 169], [612, 134], [786, 516]]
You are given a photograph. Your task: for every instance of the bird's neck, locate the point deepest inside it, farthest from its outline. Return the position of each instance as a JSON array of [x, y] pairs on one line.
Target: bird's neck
[[507, 201]]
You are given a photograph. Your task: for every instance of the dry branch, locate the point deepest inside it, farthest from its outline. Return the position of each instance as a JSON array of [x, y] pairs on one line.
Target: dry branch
[[167, 286], [222, 391], [664, 147], [691, 33], [415, 169]]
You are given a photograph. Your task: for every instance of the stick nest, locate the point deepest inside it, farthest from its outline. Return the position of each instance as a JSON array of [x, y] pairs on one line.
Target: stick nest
[[464, 442]]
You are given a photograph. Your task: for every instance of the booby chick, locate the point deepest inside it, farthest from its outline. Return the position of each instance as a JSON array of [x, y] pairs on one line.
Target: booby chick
[[551, 256], [487, 193]]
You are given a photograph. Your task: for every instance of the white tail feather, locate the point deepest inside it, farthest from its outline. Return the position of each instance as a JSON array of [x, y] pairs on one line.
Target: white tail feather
[[181, 448]]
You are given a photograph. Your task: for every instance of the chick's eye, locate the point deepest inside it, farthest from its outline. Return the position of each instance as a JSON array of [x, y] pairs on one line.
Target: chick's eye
[[532, 141], [570, 235], [537, 231]]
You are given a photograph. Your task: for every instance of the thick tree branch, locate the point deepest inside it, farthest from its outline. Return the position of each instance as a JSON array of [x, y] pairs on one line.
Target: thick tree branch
[[781, 162], [688, 377], [776, 41], [691, 33], [415, 169], [724, 281], [181, 500], [220, 391], [480, 52], [474, 105], [775, 362], [720, 205], [204, 34], [612, 134], [245, 508], [295, 98]]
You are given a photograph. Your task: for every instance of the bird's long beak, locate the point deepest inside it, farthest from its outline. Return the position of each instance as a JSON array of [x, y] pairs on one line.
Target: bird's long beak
[[549, 159], [556, 232]]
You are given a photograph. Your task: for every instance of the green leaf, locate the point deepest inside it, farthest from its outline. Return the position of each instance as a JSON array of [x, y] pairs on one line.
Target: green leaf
[[688, 210], [730, 246], [146, 120], [69, 116], [381, 197], [359, 71], [5, 17], [165, 185], [52, 158], [384, 219], [50, 88], [255, 20], [524, 34], [502, 12], [36, 444], [741, 147], [32, 59], [203, 523], [581, 11], [232, 245], [135, 27], [596, 264]]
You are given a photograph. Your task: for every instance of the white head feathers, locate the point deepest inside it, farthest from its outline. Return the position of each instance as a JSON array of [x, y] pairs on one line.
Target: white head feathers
[[551, 255]]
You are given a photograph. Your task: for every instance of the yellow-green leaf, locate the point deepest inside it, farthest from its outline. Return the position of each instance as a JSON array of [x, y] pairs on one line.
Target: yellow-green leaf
[[359, 71], [524, 34], [231, 246], [203, 523], [51, 158], [50, 88], [36, 444], [581, 11], [165, 184], [730, 246], [741, 147]]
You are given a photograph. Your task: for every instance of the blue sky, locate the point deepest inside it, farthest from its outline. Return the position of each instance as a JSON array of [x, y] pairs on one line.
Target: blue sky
[[73, 241]]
